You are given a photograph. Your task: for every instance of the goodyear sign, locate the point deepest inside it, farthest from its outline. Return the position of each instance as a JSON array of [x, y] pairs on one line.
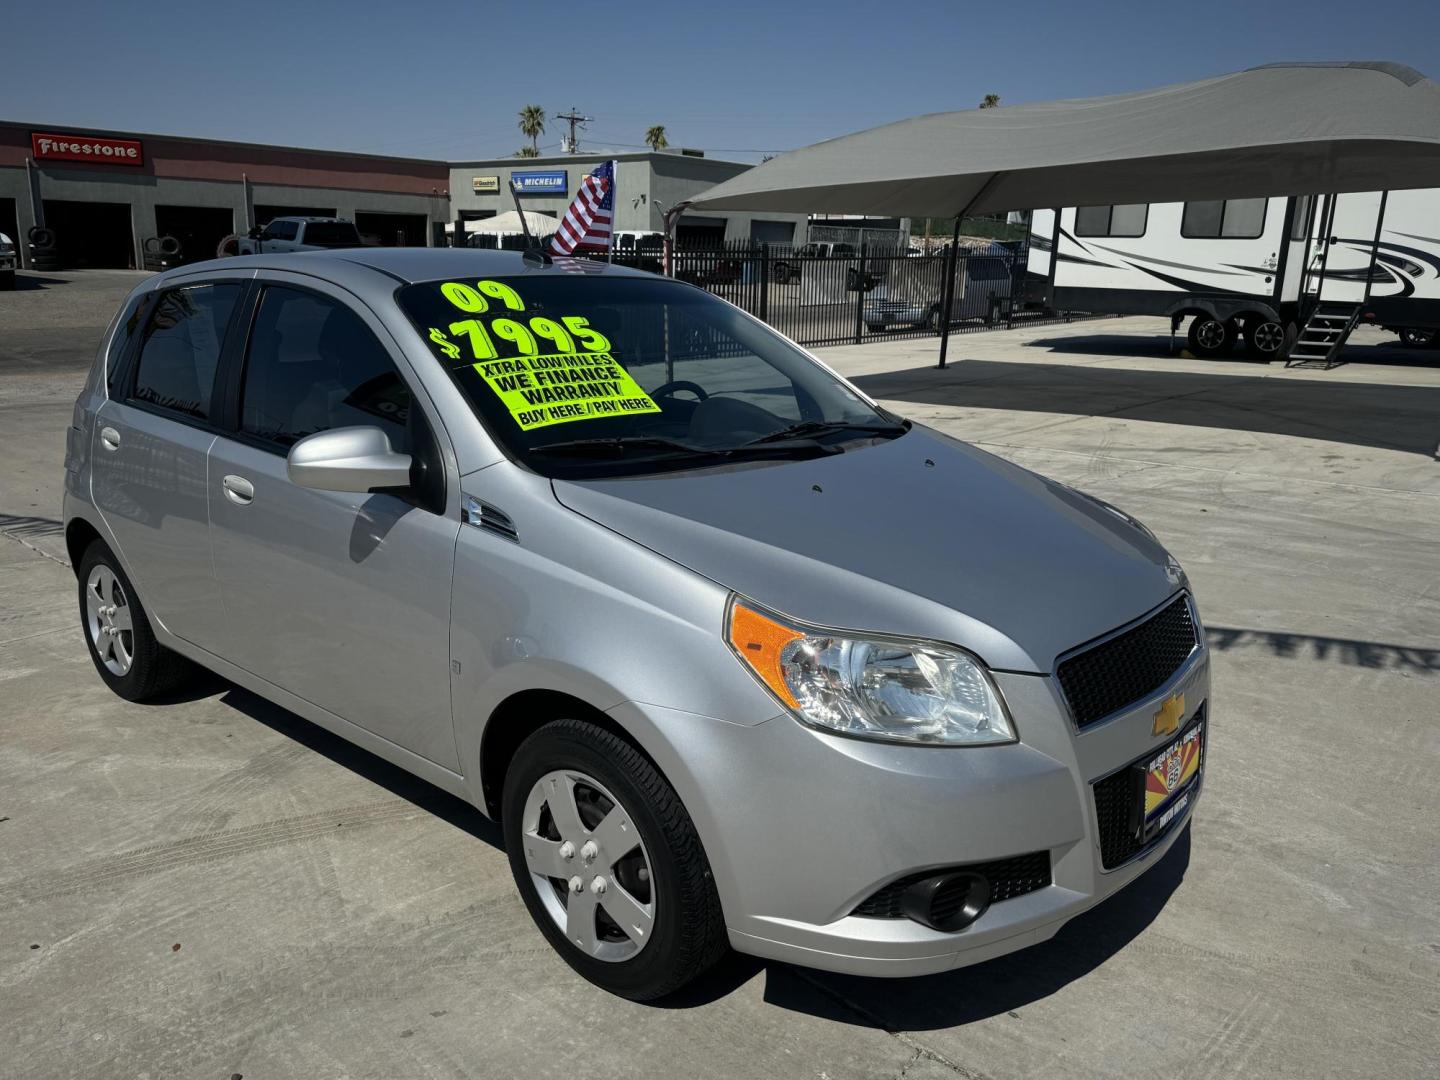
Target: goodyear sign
[[541, 183]]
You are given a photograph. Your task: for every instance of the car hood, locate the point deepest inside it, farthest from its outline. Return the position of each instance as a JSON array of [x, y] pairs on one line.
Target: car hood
[[919, 536]]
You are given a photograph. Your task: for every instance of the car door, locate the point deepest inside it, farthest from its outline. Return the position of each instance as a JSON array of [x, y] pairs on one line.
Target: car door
[[152, 436], [342, 599]]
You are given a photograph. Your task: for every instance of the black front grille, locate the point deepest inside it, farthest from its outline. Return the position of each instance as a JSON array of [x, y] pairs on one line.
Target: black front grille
[[1117, 801], [1008, 878], [1128, 666]]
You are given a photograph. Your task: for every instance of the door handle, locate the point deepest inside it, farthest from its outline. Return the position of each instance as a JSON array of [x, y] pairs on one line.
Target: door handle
[[110, 438], [238, 490]]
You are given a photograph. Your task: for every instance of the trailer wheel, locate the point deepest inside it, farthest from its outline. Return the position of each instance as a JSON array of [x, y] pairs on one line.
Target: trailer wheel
[[1266, 339], [1209, 336], [1415, 337]]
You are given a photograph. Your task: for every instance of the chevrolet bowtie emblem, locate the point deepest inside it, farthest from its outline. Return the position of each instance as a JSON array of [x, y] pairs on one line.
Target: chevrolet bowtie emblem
[[1167, 720]]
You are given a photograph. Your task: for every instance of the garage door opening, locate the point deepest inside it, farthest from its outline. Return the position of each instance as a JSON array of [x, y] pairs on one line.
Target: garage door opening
[[91, 235], [772, 232], [700, 232], [198, 229], [265, 214], [381, 229]]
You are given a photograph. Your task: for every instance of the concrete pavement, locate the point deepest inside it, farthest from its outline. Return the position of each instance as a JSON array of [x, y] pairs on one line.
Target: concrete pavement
[[214, 886]]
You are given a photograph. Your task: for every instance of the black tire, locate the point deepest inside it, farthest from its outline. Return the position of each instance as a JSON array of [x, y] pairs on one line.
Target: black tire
[[154, 669], [169, 245], [227, 247], [689, 930], [41, 238], [1266, 339], [151, 245], [1210, 337], [933, 322], [1415, 337]]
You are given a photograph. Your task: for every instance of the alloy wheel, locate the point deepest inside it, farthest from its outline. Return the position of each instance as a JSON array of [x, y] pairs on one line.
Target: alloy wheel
[[589, 865], [1210, 334], [1268, 337], [108, 620]]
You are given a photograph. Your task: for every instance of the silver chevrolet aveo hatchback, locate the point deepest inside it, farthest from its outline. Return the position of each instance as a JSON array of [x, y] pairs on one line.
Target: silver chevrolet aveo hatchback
[[735, 655]]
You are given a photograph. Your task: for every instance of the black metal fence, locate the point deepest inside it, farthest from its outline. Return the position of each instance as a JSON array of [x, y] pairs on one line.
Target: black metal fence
[[836, 294]]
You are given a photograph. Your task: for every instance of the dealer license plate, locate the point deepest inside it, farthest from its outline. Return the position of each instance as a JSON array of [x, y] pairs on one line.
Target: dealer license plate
[[1170, 779]]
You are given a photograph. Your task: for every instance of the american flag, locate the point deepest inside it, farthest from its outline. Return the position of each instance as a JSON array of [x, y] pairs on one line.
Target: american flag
[[587, 222]]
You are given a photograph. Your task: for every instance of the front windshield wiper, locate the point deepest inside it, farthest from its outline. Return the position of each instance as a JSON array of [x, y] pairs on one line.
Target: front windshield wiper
[[618, 446], [820, 427]]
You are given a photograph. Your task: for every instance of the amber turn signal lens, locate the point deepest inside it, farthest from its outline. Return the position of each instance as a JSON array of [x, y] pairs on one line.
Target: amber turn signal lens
[[759, 641]]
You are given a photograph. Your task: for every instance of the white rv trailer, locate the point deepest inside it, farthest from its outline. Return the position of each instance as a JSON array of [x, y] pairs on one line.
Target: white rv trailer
[[1291, 276]]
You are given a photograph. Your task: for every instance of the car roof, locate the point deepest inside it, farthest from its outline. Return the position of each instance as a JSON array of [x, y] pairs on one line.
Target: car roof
[[406, 264]]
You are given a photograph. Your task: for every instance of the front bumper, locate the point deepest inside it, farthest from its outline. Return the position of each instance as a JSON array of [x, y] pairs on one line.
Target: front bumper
[[801, 826]]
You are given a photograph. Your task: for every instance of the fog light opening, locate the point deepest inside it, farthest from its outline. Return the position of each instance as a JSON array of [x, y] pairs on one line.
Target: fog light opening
[[947, 902]]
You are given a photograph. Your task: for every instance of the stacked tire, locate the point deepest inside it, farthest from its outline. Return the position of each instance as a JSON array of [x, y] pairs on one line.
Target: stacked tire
[[161, 252], [44, 256]]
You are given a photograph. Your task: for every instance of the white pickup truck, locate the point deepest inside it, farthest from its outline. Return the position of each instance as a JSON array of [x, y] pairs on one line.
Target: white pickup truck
[[299, 234], [8, 261]]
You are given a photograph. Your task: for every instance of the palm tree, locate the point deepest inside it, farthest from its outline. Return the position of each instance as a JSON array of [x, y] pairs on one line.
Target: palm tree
[[655, 137], [527, 151], [532, 126], [991, 100]]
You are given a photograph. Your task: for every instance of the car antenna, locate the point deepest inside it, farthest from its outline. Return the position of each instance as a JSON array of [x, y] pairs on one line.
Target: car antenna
[[534, 255]]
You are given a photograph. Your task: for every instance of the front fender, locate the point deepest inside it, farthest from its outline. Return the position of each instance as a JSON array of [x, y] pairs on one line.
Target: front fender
[[578, 609]]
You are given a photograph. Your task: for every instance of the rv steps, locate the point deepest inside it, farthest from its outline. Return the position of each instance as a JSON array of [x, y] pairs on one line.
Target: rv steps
[[1325, 333]]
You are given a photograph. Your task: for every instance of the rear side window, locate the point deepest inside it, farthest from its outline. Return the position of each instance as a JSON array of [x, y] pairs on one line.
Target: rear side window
[[988, 269], [1124, 219], [331, 234], [313, 365], [181, 348], [1227, 219]]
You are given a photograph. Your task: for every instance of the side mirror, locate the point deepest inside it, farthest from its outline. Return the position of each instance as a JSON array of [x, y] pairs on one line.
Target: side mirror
[[347, 459], [255, 233]]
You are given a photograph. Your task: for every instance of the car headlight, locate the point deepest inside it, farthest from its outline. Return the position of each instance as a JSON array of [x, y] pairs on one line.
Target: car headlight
[[872, 687]]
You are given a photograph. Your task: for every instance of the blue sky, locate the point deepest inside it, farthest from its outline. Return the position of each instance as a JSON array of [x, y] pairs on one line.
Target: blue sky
[[736, 79]]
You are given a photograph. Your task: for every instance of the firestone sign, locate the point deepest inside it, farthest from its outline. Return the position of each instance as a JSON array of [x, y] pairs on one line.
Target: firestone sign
[[86, 148]]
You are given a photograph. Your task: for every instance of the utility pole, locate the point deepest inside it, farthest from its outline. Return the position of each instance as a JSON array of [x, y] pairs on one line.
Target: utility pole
[[575, 121]]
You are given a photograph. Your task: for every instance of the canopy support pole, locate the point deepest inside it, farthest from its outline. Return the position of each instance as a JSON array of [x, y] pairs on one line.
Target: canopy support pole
[[948, 297], [954, 258]]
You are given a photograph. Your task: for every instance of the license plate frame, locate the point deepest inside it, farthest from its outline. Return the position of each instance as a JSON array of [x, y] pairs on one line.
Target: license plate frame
[[1168, 779]]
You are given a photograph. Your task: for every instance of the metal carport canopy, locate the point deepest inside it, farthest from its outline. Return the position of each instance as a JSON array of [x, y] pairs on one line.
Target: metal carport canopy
[[1282, 129]]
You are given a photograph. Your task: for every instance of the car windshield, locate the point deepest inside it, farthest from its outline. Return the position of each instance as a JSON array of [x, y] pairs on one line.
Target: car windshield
[[600, 374]]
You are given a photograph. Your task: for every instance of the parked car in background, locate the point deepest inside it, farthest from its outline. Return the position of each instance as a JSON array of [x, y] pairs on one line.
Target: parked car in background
[[786, 270], [8, 262], [300, 234], [736, 656], [982, 290]]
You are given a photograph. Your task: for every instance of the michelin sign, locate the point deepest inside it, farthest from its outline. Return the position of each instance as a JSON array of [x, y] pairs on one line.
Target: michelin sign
[[541, 183]]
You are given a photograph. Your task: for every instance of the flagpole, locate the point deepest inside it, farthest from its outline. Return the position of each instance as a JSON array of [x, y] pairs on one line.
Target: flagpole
[[614, 208]]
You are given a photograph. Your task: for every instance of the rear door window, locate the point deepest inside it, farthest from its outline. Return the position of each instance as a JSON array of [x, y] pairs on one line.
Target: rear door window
[[331, 234], [312, 364], [181, 348]]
